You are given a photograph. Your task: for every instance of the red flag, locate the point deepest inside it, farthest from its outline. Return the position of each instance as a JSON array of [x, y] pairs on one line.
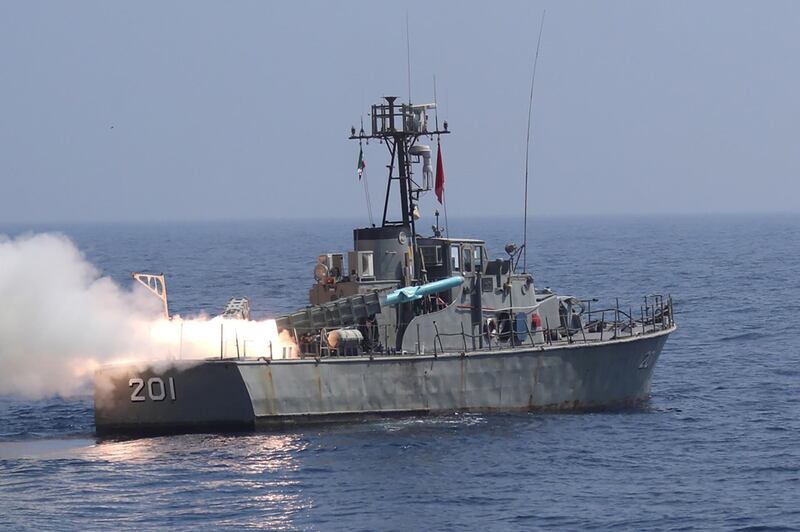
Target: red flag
[[439, 188]]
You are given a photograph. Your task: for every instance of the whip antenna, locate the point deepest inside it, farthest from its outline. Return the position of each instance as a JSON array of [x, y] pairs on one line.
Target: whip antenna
[[435, 104], [527, 150], [408, 58]]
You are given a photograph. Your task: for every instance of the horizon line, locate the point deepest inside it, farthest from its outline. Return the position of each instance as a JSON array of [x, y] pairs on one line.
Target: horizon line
[[458, 217]]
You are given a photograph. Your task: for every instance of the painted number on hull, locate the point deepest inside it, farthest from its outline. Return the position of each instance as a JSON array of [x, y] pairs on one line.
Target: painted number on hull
[[154, 388]]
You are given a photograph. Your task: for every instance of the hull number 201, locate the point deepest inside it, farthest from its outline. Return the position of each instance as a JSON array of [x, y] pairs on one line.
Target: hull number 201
[[154, 388]]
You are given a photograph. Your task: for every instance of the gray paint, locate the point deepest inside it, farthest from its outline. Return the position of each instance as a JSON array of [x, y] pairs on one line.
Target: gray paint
[[208, 395], [390, 246], [254, 392]]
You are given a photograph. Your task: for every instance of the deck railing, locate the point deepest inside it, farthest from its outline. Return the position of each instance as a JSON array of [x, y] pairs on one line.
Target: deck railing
[[655, 315], [597, 325]]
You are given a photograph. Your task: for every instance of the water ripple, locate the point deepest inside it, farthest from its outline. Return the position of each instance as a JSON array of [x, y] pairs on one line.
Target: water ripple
[[714, 449]]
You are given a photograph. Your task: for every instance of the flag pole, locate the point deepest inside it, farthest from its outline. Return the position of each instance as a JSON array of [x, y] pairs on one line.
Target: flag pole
[[361, 167], [443, 198], [366, 194], [446, 223], [439, 153], [369, 203]]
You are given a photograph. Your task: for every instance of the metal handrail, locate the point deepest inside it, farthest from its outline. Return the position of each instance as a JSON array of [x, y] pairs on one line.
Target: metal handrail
[[658, 312], [662, 314]]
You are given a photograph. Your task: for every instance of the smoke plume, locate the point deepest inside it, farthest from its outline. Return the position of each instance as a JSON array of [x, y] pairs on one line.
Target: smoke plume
[[60, 319]]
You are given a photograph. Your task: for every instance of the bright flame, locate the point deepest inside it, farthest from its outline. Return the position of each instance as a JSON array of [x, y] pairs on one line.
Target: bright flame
[[202, 338]]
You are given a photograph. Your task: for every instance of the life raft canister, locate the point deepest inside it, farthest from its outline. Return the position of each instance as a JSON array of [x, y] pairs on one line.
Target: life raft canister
[[536, 322]]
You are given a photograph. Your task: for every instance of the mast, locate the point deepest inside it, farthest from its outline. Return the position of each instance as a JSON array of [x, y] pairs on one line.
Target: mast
[[400, 127]]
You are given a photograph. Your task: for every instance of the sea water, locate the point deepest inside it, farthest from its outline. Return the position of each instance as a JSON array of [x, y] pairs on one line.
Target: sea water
[[716, 447]]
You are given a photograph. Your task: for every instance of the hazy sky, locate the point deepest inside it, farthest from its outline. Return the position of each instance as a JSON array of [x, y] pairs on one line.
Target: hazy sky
[[201, 110]]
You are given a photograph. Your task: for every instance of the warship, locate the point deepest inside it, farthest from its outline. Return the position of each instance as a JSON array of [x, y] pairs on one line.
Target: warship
[[408, 325]]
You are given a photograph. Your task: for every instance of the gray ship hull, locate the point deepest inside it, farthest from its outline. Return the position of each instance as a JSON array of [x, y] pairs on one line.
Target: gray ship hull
[[246, 394]]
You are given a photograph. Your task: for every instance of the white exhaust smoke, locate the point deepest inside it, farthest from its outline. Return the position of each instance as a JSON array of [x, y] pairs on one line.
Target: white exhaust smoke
[[60, 319]]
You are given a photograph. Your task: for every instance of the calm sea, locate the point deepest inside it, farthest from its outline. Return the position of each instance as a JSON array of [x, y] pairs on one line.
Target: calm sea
[[718, 446]]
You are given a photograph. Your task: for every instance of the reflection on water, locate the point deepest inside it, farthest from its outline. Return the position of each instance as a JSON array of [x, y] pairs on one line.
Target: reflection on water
[[266, 469], [139, 450], [50, 449], [271, 453], [217, 469]]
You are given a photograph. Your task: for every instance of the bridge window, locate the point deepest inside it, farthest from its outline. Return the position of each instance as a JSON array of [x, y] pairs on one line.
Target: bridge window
[[467, 258], [432, 255], [455, 256], [478, 258]]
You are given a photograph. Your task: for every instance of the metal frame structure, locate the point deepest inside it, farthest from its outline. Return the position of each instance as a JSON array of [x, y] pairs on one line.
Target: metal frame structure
[[399, 139]]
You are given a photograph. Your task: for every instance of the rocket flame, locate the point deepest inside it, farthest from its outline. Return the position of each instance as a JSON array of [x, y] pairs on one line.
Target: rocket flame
[[181, 338], [60, 320]]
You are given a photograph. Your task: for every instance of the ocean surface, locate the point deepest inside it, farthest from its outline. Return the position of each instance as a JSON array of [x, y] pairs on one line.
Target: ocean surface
[[717, 447]]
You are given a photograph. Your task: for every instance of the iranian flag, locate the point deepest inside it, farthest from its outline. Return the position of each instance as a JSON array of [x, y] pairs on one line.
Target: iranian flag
[[361, 164]]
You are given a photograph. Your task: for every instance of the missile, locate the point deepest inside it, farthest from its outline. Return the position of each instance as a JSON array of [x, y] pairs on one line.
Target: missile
[[412, 293]]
